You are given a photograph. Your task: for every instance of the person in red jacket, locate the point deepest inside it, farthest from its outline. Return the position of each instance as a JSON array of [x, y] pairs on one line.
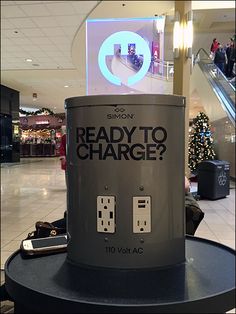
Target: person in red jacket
[[63, 152], [63, 156], [214, 45]]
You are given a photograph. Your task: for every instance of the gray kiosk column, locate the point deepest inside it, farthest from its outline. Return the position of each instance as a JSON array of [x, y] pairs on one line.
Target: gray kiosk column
[[126, 180]]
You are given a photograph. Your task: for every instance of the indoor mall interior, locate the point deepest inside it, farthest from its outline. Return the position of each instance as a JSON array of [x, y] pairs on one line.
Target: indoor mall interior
[[107, 108]]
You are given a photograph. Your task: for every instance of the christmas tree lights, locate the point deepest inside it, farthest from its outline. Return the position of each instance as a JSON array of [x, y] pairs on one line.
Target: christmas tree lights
[[200, 142]]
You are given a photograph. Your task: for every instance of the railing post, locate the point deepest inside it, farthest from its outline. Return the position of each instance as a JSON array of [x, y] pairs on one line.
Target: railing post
[[167, 70]]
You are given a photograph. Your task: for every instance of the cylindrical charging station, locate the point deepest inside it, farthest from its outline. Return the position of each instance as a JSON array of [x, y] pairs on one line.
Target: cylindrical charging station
[[125, 157]]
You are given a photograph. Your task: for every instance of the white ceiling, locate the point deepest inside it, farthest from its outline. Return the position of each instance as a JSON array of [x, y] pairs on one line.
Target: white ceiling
[[45, 31], [40, 30]]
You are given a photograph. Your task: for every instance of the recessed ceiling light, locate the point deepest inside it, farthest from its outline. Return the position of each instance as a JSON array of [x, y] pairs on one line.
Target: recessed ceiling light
[[28, 60], [66, 85], [35, 96]]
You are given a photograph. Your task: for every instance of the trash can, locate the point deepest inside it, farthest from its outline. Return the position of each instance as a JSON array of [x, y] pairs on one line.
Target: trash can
[[213, 179], [125, 163]]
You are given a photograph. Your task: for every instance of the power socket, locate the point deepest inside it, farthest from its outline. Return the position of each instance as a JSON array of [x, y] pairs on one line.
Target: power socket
[[106, 214], [141, 214]]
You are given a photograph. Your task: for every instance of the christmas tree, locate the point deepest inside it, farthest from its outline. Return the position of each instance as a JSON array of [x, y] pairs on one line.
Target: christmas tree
[[200, 142]]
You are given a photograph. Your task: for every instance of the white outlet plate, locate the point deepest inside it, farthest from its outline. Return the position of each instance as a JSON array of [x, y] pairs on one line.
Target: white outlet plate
[[106, 214], [141, 214]]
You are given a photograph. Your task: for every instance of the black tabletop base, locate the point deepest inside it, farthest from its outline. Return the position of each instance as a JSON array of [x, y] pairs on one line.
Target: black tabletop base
[[205, 283]]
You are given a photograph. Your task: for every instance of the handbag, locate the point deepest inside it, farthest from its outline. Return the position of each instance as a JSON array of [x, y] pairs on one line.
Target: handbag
[[193, 214], [45, 229]]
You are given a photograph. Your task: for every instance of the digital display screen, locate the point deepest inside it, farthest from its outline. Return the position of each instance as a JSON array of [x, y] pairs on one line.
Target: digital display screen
[[120, 55], [41, 243]]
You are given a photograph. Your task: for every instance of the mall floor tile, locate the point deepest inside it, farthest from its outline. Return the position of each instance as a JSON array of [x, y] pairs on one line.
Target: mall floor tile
[[31, 190], [35, 189]]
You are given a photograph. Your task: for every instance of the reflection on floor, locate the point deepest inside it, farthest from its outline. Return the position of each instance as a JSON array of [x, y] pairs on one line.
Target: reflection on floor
[[32, 191]]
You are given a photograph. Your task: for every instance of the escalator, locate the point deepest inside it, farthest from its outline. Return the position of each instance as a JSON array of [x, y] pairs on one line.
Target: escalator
[[217, 95], [222, 87]]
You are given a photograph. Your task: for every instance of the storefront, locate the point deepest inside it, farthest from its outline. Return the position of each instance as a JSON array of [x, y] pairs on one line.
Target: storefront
[[41, 135]]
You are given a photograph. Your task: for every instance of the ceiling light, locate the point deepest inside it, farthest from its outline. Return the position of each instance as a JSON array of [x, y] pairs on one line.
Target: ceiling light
[[66, 85], [28, 60], [35, 96]]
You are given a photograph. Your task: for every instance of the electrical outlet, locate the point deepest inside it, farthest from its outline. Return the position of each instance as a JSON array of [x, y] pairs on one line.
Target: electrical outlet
[[106, 214], [141, 214]]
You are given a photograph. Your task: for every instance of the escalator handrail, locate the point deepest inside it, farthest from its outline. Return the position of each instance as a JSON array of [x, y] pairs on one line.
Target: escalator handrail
[[229, 106], [220, 93], [206, 53]]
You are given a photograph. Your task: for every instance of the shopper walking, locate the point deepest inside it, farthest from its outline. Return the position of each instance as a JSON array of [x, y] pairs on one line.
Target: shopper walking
[[62, 151], [227, 52], [231, 58], [220, 58]]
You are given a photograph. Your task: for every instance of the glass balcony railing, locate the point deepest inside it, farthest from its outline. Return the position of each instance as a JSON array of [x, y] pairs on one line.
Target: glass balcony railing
[[160, 69]]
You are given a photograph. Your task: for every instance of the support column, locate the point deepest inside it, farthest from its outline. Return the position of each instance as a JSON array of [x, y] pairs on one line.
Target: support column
[[182, 69]]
